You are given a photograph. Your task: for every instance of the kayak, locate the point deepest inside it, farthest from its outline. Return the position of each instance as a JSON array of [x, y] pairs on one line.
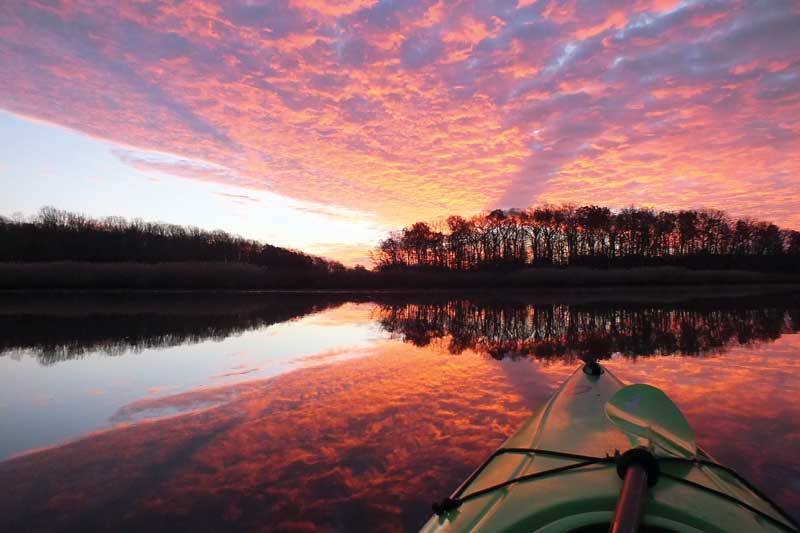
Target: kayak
[[602, 456]]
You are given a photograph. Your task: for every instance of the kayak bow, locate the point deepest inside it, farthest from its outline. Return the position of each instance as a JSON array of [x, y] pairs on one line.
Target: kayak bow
[[600, 456]]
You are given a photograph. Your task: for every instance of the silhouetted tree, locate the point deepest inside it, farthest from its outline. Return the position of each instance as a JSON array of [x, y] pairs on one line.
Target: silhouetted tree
[[56, 235], [592, 236]]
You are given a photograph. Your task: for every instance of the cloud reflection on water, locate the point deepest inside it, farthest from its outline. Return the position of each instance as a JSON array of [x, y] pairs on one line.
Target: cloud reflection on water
[[370, 442], [364, 438], [367, 441]]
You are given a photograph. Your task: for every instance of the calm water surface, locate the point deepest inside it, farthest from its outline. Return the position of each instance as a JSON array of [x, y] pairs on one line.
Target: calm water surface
[[351, 413]]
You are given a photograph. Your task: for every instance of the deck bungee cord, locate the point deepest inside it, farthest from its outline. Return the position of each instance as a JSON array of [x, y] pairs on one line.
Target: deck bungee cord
[[456, 499]]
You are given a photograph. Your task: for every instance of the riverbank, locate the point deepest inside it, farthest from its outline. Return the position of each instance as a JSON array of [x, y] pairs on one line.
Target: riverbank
[[238, 276]]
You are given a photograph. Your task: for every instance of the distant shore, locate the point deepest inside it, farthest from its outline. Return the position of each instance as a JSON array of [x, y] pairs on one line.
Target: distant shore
[[238, 276]]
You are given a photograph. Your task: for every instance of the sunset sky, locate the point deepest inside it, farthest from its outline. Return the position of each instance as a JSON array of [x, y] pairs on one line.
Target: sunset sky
[[322, 125]]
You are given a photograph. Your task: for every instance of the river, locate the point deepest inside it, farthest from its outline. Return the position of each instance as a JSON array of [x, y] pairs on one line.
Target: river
[[353, 412]]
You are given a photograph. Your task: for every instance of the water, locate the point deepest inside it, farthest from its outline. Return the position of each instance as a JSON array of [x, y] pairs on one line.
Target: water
[[296, 412]]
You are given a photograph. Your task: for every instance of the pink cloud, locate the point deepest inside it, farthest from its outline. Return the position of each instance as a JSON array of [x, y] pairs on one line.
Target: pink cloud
[[243, 199], [416, 111]]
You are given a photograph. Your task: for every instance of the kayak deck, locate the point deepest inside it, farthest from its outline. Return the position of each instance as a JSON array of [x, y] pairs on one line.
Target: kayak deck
[[576, 498]]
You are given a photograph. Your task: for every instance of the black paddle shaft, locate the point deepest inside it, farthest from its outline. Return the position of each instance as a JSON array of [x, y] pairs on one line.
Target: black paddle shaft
[[630, 504]]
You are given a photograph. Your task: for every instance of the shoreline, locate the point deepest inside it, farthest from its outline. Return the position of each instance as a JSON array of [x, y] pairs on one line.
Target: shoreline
[[87, 302], [743, 287], [239, 277]]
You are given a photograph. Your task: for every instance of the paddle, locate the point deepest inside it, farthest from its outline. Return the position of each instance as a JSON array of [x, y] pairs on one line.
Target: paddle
[[645, 412]]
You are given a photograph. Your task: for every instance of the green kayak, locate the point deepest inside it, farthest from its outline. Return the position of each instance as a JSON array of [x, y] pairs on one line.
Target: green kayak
[[601, 456]]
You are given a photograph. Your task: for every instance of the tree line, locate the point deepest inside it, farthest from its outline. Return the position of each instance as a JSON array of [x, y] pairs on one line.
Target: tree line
[[591, 236], [57, 235]]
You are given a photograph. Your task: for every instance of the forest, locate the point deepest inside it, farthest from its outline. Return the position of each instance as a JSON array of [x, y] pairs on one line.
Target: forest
[[592, 237], [57, 235], [584, 247]]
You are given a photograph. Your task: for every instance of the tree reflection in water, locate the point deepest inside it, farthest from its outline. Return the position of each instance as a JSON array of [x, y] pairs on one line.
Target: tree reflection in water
[[572, 331], [62, 326]]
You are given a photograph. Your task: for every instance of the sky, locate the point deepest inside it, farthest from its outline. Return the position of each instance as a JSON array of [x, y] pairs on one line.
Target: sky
[[322, 125]]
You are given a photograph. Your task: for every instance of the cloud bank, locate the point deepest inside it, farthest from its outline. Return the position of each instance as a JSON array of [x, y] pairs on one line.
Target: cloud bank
[[424, 108]]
